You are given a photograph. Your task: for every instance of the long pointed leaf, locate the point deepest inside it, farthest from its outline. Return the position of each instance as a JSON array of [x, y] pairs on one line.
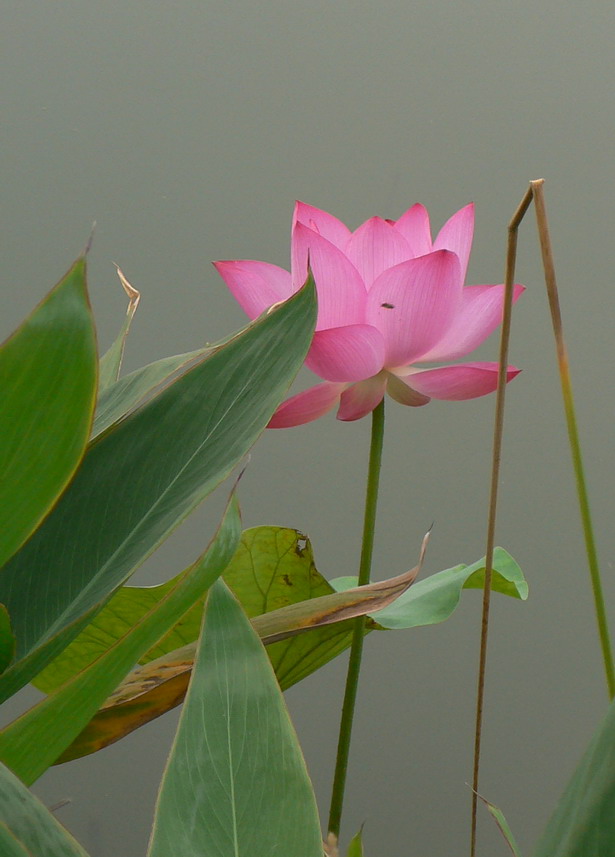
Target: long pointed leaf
[[120, 398], [583, 824], [236, 783], [504, 827], [10, 845], [7, 639], [140, 480], [111, 362], [34, 741], [31, 824], [48, 383]]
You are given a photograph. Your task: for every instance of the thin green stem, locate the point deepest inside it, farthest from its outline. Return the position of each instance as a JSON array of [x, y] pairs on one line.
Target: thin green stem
[[573, 433], [356, 648], [498, 431]]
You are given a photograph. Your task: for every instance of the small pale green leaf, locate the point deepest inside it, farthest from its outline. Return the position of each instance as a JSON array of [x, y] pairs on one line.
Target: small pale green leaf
[[235, 783], [433, 599], [111, 362], [355, 847], [139, 480], [48, 383], [7, 640], [33, 742], [583, 824], [31, 824], [501, 822]]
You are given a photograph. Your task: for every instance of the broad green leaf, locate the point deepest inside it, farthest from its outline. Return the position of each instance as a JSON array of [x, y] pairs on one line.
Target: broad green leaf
[[433, 599], [139, 480], [111, 362], [235, 783], [272, 568], [33, 742], [31, 824], [503, 825], [583, 824], [48, 383], [7, 639], [159, 685]]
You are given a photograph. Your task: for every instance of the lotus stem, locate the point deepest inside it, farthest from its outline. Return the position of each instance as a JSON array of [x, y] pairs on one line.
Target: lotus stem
[[356, 647]]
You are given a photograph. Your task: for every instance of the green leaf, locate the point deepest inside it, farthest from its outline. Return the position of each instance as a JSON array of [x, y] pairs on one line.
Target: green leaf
[[7, 639], [138, 481], [33, 742], [355, 847], [9, 845], [236, 782], [583, 824], [501, 822], [111, 362], [159, 685], [119, 399], [31, 824], [433, 599], [48, 383], [272, 568]]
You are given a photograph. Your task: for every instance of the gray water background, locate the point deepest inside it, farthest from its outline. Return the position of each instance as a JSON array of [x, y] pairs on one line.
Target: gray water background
[[187, 130]]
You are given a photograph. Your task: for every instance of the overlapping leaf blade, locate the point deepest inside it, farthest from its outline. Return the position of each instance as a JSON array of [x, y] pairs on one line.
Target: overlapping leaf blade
[[30, 823], [118, 399], [272, 568], [7, 639], [236, 782], [159, 685], [125, 395], [142, 478], [48, 383], [34, 741]]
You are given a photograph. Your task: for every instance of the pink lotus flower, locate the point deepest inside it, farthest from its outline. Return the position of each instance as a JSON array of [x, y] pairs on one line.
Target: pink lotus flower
[[388, 298]]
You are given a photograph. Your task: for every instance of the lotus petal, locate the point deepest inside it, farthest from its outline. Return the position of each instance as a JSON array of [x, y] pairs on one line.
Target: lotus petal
[[307, 406]]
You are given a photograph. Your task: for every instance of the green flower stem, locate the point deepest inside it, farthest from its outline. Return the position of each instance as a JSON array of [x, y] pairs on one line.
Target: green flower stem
[[588, 531], [356, 648], [573, 434]]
